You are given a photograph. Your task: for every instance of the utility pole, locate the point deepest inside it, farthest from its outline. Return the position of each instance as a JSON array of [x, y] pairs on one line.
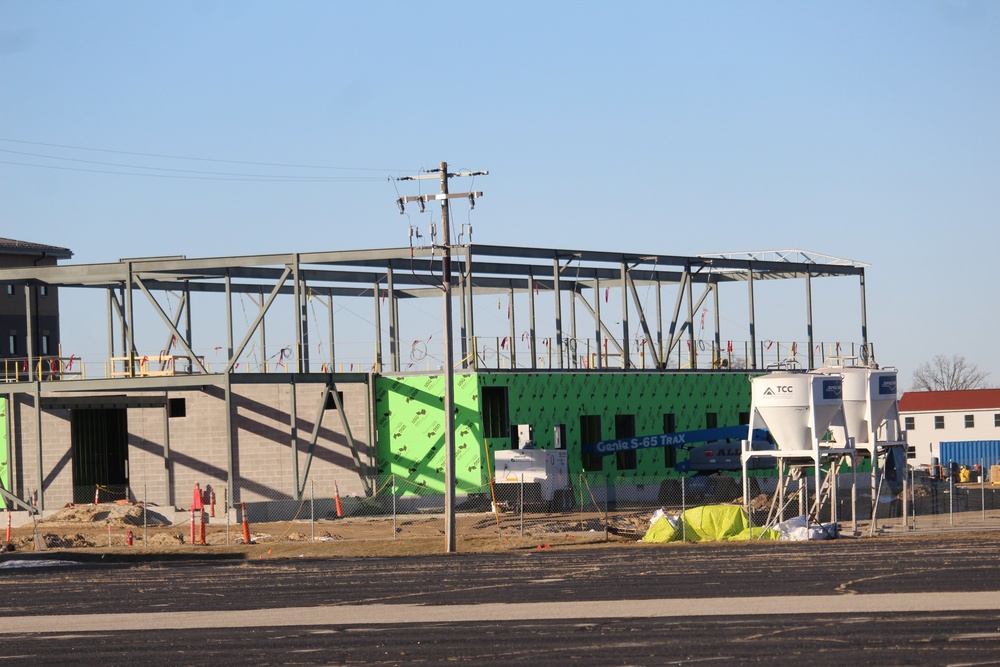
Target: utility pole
[[449, 367]]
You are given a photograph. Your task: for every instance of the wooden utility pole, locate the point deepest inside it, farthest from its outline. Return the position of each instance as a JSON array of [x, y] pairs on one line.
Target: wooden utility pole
[[449, 364]]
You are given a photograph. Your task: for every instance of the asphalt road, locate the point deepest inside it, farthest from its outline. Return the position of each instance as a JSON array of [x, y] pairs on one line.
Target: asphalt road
[[885, 600]]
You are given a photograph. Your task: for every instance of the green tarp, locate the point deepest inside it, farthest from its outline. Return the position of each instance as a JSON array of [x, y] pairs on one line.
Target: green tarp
[[709, 523]]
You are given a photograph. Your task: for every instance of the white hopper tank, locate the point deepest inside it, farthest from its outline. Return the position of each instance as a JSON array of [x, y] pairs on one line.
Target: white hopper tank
[[869, 394], [796, 407]]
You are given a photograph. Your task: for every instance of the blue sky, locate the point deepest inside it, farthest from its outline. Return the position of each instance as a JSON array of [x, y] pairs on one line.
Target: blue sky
[[856, 129]]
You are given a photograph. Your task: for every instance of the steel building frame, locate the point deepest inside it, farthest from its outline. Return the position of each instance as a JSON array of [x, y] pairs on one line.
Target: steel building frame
[[388, 277]]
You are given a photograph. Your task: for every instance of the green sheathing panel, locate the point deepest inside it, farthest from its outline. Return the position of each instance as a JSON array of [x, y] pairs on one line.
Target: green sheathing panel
[[547, 399], [411, 430]]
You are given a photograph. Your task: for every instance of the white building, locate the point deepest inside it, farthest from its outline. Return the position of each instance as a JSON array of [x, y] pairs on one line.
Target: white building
[[932, 417]]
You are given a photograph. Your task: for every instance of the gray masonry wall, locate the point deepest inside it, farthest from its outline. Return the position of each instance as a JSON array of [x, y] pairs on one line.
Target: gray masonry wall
[[262, 442], [57, 464]]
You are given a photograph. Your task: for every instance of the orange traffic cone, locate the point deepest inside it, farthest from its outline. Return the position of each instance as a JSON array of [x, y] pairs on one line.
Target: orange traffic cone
[[246, 525]]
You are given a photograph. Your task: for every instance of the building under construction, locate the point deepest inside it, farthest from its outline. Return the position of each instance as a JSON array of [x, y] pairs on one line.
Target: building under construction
[[262, 375]]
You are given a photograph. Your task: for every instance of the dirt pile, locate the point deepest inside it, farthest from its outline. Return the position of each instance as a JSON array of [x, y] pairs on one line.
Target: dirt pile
[[118, 515], [102, 525]]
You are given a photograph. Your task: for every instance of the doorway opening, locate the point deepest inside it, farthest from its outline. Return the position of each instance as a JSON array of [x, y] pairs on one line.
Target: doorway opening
[[100, 454]]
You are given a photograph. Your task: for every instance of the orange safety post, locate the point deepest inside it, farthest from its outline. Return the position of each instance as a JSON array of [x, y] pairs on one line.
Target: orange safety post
[[197, 501], [336, 498], [8, 527], [246, 525], [201, 533], [97, 494], [211, 500], [192, 525]]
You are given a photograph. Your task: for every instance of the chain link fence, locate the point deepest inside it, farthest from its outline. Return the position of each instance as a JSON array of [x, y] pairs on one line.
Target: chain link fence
[[591, 505], [398, 509]]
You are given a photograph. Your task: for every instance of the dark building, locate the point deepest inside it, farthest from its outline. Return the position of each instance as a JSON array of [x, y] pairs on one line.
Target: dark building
[[20, 334]]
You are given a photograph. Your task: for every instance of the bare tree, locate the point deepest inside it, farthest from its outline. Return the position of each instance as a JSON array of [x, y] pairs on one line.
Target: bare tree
[[946, 374]]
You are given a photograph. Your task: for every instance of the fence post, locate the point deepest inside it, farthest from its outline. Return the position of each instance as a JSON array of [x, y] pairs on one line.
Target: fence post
[[520, 505], [312, 508], [906, 501], [607, 496], [951, 494], [144, 542], [684, 536], [982, 484]]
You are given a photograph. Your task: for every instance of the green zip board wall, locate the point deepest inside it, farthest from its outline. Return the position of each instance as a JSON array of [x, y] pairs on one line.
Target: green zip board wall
[[411, 418]]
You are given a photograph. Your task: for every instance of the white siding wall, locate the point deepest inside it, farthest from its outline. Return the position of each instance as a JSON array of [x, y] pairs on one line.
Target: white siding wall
[[925, 439]]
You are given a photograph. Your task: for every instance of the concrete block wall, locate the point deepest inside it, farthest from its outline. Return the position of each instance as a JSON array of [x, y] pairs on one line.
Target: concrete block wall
[[198, 445], [57, 464], [265, 459]]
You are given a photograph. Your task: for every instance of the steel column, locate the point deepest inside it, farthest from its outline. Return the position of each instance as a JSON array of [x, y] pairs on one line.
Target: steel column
[[39, 477], [692, 350], [752, 361], [531, 320], [293, 419], [512, 348], [168, 496], [470, 309], [626, 361], [558, 308], [864, 312], [597, 318], [393, 322], [809, 319], [378, 330], [718, 328], [231, 495]]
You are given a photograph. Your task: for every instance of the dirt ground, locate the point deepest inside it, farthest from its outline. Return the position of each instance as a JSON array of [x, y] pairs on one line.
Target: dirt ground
[[104, 529], [99, 532]]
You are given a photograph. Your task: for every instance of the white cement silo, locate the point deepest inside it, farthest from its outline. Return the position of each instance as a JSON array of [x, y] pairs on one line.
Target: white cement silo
[[796, 408], [869, 398], [799, 410]]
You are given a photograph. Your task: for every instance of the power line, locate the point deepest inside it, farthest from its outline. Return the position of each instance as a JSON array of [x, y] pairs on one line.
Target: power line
[[219, 177], [198, 159], [183, 171]]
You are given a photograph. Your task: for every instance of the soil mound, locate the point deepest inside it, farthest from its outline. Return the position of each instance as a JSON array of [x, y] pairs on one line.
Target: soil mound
[[108, 514]]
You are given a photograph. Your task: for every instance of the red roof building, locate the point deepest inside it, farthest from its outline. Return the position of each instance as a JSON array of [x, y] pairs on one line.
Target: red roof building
[[932, 417], [965, 399]]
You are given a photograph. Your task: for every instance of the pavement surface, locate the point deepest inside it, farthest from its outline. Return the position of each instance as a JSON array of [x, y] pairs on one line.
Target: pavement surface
[[886, 600]]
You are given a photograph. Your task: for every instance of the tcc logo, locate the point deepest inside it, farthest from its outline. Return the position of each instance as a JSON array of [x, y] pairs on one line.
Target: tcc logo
[[779, 389]]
